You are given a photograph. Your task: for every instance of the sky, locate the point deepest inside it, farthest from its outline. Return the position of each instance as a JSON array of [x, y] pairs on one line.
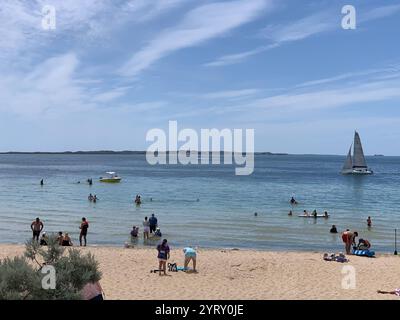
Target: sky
[[111, 70]]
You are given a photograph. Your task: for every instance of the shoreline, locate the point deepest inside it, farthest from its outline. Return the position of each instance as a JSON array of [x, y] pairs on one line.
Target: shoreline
[[237, 275]]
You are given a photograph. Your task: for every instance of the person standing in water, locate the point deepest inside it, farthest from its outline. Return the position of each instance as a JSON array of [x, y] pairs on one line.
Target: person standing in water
[[369, 222], [84, 228], [37, 227], [146, 228], [153, 223], [41, 182]]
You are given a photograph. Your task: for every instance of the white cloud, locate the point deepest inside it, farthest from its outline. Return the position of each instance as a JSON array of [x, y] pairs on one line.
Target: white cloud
[[53, 87], [317, 23], [198, 25], [238, 57]]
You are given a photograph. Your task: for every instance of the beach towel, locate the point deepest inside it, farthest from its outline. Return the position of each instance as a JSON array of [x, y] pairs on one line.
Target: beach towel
[[333, 257], [364, 253]]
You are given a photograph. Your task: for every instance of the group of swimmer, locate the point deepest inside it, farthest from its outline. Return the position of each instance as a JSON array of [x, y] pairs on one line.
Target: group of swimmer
[[149, 226], [92, 198], [314, 214], [37, 227]]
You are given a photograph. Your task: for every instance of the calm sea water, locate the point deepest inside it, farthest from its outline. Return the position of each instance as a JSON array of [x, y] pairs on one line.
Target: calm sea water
[[224, 214]]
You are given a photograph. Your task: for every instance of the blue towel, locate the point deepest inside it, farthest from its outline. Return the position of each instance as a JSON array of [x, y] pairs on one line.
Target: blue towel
[[364, 253]]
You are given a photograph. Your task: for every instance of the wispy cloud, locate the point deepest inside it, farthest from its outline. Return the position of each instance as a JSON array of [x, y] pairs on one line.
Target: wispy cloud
[[199, 25], [54, 87], [238, 57], [317, 23]]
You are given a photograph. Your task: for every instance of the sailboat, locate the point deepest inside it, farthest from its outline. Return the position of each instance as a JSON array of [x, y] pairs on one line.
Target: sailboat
[[356, 164]]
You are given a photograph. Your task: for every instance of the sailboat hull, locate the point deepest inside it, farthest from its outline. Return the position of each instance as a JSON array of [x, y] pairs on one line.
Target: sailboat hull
[[357, 172]]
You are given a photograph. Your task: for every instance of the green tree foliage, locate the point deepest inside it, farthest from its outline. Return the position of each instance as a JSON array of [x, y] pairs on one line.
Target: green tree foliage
[[21, 277]]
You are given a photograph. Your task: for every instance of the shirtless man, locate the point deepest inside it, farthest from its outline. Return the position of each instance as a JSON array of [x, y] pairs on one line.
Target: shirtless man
[[37, 227], [349, 239]]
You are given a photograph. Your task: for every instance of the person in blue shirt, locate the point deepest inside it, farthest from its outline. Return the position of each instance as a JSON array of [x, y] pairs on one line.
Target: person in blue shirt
[[153, 223], [190, 255]]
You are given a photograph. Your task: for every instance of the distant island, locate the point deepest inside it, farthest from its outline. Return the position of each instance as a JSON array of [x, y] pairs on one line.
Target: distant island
[[124, 152]]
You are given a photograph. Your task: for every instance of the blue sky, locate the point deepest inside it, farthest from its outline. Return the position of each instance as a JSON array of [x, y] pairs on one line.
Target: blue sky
[[113, 69]]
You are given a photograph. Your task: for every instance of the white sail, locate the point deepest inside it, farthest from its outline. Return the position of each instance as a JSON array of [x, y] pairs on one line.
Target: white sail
[[348, 164], [358, 159]]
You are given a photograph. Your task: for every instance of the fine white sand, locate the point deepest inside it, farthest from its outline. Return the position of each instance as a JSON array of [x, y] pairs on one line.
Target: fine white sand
[[238, 274]]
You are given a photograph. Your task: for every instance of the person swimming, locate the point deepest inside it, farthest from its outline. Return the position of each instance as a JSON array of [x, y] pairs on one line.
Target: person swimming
[[333, 229], [290, 213]]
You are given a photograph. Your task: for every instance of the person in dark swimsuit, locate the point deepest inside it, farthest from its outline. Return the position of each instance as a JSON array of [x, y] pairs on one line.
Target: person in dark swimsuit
[[37, 227], [67, 241], [84, 228]]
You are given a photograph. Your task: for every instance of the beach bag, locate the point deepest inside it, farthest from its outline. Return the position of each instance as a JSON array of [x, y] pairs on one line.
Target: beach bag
[[172, 267]]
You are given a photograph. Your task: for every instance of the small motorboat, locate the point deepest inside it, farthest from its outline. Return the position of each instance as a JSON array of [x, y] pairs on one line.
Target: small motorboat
[[111, 177]]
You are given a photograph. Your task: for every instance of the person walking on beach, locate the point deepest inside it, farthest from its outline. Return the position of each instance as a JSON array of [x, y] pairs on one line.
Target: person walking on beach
[[163, 256], [146, 228], [37, 227], [349, 239], [84, 228], [153, 223], [369, 222]]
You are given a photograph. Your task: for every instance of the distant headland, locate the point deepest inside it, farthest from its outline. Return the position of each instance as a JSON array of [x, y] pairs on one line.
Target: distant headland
[[123, 152]]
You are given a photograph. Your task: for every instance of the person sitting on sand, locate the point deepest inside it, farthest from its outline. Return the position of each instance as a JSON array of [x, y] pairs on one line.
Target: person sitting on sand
[[163, 256], [290, 213], [333, 229], [44, 239], [146, 228], [90, 198], [395, 292], [363, 244], [66, 241], [190, 255], [60, 238]]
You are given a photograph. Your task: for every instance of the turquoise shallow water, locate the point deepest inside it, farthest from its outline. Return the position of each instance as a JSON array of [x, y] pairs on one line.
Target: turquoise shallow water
[[224, 214]]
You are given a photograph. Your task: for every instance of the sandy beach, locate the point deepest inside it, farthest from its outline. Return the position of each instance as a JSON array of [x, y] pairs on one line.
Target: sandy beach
[[238, 274]]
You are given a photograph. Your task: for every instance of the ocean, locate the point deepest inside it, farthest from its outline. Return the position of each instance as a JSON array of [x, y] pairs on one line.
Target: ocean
[[201, 205]]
